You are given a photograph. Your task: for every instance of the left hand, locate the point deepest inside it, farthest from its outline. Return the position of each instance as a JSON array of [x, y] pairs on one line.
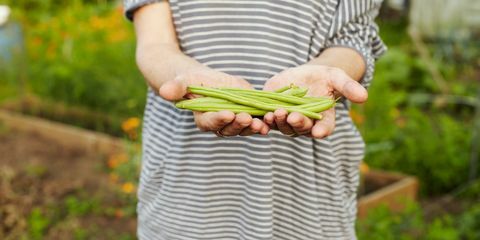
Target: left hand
[[320, 81]]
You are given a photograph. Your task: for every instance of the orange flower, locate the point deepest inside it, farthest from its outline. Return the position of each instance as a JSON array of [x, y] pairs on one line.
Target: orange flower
[[119, 213], [97, 23], [128, 187], [357, 118], [117, 36], [130, 124], [36, 41], [364, 168], [116, 159]]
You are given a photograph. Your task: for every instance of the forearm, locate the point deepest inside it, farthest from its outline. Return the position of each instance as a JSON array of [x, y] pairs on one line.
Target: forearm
[[346, 59], [160, 63], [158, 54]]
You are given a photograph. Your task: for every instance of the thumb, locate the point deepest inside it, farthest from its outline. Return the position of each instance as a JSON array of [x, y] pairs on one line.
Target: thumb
[[349, 88], [173, 90]]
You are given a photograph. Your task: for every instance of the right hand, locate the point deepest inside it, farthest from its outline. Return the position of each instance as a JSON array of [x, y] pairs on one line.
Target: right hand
[[223, 123]]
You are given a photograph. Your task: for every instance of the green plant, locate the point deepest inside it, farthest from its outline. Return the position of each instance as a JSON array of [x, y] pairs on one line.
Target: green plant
[[80, 53], [410, 224], [442, 229], [427, 139], [37, 224], [469, 223], [80, 207]]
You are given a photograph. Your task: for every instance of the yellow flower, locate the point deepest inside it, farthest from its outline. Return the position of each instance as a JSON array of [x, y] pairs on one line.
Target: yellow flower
[[128, 187], [130, 124], [117, 36], [97, 23], [364, 168]]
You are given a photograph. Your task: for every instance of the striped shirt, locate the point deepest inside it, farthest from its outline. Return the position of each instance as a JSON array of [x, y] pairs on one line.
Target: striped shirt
[[194, 185]]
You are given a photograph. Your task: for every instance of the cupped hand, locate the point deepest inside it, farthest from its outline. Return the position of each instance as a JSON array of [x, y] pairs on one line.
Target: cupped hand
[[320, 81], [223, 123]]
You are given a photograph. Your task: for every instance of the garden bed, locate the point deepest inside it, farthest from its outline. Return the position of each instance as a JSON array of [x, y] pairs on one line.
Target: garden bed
[[60, 112], [53, 191], [392, 190], [64, 134]]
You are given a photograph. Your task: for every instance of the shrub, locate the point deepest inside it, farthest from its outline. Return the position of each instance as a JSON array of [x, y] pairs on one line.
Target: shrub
[[428, 140]]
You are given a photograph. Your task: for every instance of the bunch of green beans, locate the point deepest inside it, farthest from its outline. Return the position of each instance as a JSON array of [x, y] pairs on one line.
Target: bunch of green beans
[[256, 102]]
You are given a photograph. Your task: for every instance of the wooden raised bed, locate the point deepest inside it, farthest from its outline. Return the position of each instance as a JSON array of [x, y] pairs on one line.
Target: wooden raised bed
[[381, 188], [393, 190], [65, 134]]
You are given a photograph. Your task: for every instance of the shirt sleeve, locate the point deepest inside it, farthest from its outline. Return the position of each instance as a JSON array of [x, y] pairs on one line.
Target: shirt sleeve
[[130, 6], [354, 27]]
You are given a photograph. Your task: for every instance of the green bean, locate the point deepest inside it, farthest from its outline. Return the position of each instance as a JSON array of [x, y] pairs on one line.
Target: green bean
[[263, 99], [317, 106], [272, 95], [204, 99], [225, 106], [212, 92], [211, 106], [298, 92], [283, 89], [253, 111]]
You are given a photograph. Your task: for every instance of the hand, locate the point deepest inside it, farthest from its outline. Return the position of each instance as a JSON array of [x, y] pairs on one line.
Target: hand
[[223, 123], [320, 81]]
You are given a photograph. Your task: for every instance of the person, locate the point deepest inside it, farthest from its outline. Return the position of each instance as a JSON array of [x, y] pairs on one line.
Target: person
[[220, 175]]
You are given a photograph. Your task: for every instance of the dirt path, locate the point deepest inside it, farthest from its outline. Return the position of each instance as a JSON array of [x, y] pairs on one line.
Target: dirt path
[[48, 191]]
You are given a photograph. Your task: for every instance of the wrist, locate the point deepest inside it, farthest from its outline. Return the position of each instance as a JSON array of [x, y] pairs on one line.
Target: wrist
[[346, 59]]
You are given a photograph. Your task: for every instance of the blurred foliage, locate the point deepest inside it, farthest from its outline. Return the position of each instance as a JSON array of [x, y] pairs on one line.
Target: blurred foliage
[[66, 217], [82, 55], [410, 224], [425, 137], [37, 223], [124, 167]]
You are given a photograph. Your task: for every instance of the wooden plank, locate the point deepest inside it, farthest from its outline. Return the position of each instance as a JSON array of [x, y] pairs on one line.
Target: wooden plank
[[62, 133], [394, 196]]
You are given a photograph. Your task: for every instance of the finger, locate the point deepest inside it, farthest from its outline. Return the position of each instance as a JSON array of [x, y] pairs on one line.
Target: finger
[[213, 121], [300, 123], [324, 127], [241, 121], [256, 126], [269, 118], [348, 87], [265, 129], [281, 122], [173, 90]]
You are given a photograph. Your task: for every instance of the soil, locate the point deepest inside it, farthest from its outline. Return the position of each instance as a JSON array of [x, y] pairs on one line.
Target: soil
[[49, 191]]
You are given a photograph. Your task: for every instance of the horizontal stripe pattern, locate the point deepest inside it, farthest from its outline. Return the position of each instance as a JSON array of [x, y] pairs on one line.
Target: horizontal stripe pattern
[[194, 185]]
